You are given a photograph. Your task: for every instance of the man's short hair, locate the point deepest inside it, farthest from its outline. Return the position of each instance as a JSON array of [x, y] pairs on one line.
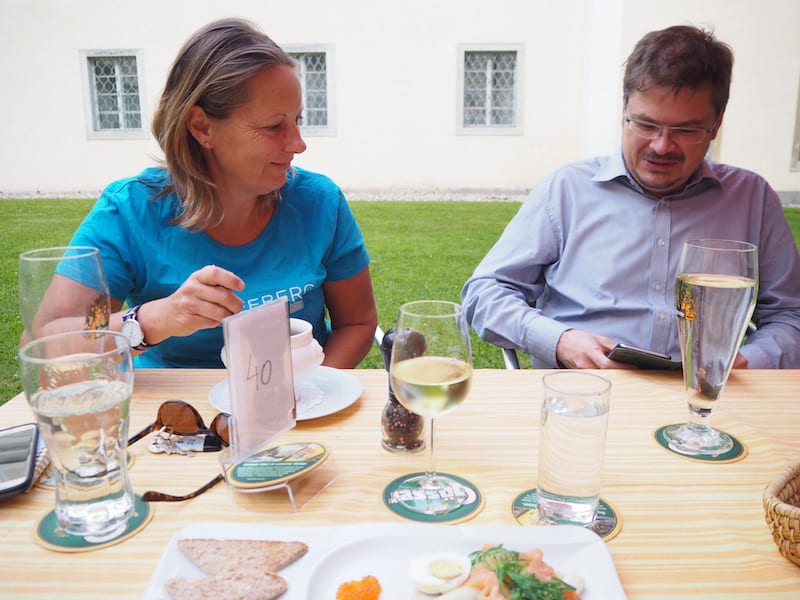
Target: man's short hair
[[680, 57]]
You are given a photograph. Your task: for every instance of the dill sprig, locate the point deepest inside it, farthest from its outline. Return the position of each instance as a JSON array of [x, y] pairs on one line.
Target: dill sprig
[[516, 584]]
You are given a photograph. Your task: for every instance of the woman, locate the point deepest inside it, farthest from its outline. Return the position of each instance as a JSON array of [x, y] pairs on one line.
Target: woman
[[227, 224]]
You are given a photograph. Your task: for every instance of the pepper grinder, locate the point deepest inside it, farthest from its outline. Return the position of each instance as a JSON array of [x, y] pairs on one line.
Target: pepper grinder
[[402, 429]]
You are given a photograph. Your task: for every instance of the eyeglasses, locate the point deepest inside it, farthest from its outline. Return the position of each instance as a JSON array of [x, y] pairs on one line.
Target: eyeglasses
[[181, 418], [652, 131]]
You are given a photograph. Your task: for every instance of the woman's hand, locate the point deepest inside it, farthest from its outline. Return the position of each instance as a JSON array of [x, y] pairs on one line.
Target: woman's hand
[[202, 302]]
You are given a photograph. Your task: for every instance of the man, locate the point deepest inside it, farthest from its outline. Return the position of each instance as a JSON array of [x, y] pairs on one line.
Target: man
[[590, 258]]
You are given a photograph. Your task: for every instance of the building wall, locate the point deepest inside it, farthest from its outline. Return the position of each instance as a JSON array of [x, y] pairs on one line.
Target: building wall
[[395, 87]]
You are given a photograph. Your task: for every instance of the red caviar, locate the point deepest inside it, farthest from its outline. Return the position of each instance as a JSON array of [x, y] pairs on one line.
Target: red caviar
[[366, 588]]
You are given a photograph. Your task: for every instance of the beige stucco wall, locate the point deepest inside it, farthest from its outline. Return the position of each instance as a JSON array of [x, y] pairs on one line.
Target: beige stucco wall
[[395, 89]]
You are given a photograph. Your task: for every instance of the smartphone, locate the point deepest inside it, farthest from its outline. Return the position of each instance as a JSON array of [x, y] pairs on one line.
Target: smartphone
[[644, 359], [18, 447]]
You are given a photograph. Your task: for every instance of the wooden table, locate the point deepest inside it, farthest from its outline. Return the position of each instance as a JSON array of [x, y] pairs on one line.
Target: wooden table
[[689, 530]]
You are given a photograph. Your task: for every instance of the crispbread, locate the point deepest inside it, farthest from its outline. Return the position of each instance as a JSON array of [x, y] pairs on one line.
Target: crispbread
[[244, 585], [226, 556]]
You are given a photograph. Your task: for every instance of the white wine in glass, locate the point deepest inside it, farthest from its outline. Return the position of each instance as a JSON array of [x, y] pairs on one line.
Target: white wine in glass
[[715, 295], [431, 373]]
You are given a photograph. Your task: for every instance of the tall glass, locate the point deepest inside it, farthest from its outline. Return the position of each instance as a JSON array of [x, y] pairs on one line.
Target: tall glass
[[79, 387], [715, 295], [431, 374], [41, 297]]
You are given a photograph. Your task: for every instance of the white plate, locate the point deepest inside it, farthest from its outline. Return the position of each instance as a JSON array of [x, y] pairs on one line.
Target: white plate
[[339, 390], [350, 552]]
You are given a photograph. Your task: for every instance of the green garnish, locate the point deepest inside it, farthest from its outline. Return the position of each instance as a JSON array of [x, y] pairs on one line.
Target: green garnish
[[510, 571]]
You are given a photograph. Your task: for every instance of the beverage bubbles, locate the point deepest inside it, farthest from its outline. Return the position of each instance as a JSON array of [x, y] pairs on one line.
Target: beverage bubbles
[[79, 386], [572, 439]]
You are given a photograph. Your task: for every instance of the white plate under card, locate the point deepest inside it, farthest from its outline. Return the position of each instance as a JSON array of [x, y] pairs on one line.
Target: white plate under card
[[337, 389], [384, 550]]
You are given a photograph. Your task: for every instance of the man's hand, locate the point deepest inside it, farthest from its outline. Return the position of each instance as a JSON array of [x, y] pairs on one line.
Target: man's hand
[[578, 349]]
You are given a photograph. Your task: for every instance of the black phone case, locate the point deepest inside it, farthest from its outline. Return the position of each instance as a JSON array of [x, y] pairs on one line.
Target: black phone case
[[30, 466], [642, 359]]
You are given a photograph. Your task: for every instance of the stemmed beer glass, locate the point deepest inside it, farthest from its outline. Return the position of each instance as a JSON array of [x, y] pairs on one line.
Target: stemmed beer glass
[[715, 295], [431, 373], [41, 301]]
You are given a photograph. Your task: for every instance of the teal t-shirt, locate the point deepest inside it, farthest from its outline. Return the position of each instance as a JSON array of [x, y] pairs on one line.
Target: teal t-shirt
[[311, 238]]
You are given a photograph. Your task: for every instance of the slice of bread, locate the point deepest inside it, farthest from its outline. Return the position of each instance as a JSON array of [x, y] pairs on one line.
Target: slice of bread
[[226, 556], [245, 585]]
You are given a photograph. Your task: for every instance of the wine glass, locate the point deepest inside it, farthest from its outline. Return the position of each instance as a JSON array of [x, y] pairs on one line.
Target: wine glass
[[431, 373], [715, 295], [42, 299]]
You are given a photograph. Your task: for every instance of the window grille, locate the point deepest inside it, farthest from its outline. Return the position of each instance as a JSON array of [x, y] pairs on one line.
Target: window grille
[[313, 71], [490, 89], [114, 84]]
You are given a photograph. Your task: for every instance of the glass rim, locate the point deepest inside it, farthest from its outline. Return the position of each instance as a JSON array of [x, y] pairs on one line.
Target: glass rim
[[26, 355], [59, 253], [721, 244], [603, 384], [408, 308]]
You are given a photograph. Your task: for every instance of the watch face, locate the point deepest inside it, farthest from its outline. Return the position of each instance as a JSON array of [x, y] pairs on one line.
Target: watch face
[[132, 331]]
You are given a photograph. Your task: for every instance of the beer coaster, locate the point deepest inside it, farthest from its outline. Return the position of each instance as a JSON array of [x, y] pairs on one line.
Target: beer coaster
[[397, 491], [607, 524], [276, 465], [735, 454], [47, 480], [49, 536]]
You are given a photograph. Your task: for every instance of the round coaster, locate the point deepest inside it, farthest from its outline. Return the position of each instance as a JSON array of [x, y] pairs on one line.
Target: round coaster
[[735, 454], [49, 536], [276, 465], [395, 491], [47, 479], [607, 524]]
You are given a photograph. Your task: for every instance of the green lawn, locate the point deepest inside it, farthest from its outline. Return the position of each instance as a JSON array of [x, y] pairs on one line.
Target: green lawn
[[418, 249]]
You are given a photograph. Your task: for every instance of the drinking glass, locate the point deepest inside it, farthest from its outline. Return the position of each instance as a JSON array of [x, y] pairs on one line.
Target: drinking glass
[[715, 295], [42, 301], [431, 374], [79, 386]]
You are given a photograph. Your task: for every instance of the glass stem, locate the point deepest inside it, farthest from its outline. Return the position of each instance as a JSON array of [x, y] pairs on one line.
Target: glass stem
[[699, 418], [430, 469]]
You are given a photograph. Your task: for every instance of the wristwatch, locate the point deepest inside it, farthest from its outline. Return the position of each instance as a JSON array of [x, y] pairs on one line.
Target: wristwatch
[[133, 330]]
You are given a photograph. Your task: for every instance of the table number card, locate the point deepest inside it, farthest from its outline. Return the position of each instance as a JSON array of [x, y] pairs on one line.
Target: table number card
[[260, 375]]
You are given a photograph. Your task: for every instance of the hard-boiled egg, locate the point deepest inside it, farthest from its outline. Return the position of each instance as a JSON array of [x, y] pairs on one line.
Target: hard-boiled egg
[[439, 572]]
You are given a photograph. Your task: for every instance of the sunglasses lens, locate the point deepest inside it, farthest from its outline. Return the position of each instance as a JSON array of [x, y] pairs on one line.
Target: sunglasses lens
[[180, 417], [220, 426]]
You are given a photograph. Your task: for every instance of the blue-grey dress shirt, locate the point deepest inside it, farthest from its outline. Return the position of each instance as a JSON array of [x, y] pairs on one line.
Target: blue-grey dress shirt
[[589, 249]]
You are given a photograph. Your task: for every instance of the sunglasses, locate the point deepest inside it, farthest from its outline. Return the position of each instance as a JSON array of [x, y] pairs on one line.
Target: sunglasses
[[181, 418]]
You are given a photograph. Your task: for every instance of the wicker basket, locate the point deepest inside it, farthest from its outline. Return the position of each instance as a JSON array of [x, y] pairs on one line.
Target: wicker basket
[[782, 511]]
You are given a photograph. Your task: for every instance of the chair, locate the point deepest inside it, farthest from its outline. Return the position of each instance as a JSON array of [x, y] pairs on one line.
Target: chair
[[510, 358]]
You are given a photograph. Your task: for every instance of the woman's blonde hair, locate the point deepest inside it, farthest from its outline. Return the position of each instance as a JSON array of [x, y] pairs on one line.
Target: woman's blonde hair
[[210, 71]]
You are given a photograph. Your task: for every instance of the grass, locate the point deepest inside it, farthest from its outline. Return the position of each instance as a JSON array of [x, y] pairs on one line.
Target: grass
[[418, 249]]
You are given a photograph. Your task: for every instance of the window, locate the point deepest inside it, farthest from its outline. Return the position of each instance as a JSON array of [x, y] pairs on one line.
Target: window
[[489, 95], [113, 94], [314, 68]]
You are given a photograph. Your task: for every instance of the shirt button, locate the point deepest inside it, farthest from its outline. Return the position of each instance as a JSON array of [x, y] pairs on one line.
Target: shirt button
[[662, 243], [657, 286], [661, 316]]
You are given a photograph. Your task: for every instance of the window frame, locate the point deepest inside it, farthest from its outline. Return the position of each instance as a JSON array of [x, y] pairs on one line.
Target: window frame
[[142, 132], [794, 163], [330, 82], [519, 68]]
